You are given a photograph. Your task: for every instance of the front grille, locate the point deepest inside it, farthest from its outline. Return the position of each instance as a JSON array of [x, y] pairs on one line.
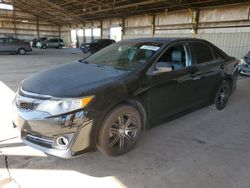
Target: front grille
[[27, 105]]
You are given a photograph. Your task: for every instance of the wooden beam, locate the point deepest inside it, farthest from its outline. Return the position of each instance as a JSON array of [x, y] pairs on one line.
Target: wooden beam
[[130, 5]]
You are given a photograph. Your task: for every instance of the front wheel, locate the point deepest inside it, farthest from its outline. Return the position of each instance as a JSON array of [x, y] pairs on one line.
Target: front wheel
[[120, 130], [222, 95]]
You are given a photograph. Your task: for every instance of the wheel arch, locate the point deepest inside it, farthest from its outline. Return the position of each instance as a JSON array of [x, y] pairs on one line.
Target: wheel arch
[[135, 103], [229, 78]]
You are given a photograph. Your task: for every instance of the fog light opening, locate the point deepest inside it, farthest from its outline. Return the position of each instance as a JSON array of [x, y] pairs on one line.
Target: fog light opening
[[62, 141]]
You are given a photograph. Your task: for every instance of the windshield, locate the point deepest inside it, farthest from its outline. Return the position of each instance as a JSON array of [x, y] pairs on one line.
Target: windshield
[[124, 55]]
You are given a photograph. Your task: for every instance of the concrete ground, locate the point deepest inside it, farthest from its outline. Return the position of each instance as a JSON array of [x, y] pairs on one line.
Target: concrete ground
[[205, 149]]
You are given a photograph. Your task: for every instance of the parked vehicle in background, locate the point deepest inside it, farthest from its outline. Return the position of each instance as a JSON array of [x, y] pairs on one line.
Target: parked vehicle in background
[[35, 40], [50, 43], [13, 45], [245, 65], [96, 45], [105, 100]]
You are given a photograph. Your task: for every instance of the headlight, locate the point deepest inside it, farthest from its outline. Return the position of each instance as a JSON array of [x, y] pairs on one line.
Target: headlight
[[242, 62], [60, 106]]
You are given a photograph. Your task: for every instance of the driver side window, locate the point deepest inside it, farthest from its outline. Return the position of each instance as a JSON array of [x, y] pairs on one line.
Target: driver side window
[[174, 57]]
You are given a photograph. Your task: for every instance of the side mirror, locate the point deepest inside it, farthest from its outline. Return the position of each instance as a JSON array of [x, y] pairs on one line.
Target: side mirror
[[162, 67]]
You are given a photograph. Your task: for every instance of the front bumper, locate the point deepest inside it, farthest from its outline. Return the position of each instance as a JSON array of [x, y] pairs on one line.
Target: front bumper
[[245, 70], [38, 45], [41, 131]]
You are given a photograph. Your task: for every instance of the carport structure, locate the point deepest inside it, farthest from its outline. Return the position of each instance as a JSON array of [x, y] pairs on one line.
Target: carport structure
[[208, 19], [77, 12]]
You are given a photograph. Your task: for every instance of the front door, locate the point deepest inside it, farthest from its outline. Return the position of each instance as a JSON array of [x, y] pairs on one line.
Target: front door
[[171, 92]]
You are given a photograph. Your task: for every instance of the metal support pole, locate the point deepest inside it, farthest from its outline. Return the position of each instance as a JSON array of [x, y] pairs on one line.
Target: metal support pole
[[101, 27], [37, 27], [14, 18], [153, 25], [123, 28], [59, 31]]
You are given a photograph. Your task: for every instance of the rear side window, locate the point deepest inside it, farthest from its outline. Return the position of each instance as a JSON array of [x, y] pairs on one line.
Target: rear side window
[[2, 41], [216, 54], [201, 52], [10, 40], [53, 40]]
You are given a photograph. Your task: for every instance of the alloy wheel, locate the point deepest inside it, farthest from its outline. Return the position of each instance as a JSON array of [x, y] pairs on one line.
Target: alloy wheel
[[222, 95], [22, 52], [123, 132]]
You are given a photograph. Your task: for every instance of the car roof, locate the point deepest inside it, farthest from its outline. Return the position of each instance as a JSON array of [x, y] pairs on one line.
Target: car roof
[[162, 39], [9, 38], [104, 39]]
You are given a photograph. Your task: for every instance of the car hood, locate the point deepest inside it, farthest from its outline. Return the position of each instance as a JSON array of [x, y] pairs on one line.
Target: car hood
[[71, 80]]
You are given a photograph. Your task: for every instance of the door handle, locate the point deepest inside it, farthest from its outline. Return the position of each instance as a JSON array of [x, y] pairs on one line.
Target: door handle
[[222, 66], [196, 77]]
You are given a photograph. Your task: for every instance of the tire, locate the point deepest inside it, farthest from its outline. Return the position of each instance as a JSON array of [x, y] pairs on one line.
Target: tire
[[120, 130], [44, 46], [222, 95], [21, 51], [59, 47], [85, 50]]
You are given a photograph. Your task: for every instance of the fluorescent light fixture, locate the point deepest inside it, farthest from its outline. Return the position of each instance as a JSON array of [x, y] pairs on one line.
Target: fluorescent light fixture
[[6, 6], [25, 21]]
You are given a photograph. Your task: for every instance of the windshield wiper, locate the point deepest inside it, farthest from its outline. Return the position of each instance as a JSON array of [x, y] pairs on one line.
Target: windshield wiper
[[83, 61]]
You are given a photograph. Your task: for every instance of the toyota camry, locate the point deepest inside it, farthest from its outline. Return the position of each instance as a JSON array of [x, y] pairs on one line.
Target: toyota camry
[[107, 99]]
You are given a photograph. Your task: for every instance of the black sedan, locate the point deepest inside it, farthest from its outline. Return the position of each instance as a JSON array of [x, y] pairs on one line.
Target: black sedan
[[96, 45], [245, 65], [105, 101]]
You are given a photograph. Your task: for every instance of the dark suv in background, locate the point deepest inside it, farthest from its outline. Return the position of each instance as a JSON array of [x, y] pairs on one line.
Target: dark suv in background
[[245, 65], [13, 45], [96, 45], [51, 43]]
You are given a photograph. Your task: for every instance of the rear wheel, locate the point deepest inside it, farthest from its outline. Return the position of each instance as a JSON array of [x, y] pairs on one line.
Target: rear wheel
[[44, 46], [120, 130], [21, 51], [222, 95]]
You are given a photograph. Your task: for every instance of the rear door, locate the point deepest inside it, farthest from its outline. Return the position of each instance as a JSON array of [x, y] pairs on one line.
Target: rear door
[[2, 45], [11, 45], [51, 43], [209, 69]]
